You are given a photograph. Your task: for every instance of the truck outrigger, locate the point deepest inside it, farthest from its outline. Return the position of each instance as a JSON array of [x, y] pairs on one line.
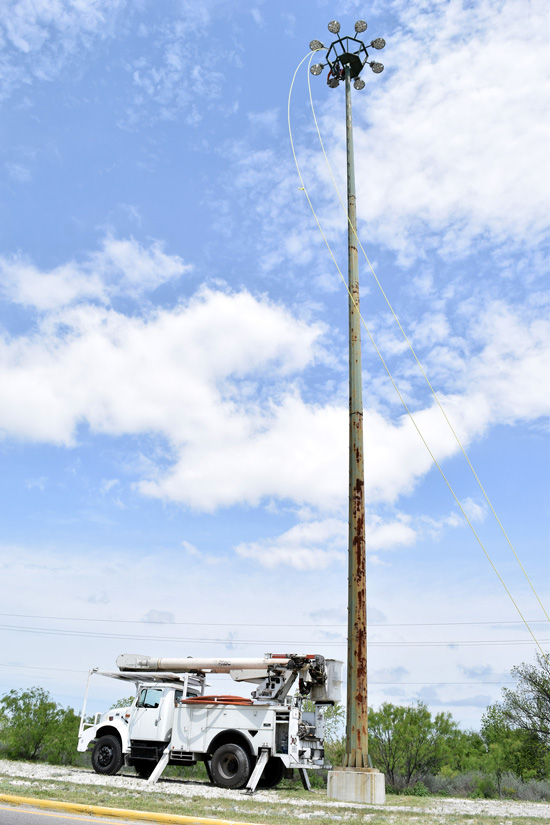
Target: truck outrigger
[[242, 742]]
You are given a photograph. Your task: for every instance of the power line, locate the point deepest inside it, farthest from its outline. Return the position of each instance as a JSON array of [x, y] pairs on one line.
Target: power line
[[37, 667], [241, 642], [258, 624]]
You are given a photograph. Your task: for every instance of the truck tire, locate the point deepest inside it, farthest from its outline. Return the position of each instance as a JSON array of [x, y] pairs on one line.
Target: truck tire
[[231, 766], [144, 767], [107, 757], [273, 773]]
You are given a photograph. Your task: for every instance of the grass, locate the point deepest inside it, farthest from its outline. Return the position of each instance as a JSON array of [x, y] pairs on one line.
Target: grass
[[289, 807]]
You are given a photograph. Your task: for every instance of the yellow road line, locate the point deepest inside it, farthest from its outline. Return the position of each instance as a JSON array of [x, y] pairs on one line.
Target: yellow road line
[[56, 814], [97, 810]]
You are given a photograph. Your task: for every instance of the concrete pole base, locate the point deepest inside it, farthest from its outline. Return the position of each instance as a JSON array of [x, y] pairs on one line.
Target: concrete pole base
[[357, 785]]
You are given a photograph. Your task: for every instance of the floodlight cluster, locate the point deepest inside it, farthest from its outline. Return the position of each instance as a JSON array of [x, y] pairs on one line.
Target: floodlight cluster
[[354, 60]]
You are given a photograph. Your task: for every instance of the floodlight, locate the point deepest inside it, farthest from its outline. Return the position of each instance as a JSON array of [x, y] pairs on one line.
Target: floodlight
[[317, 68], [358, 83], [360, 26], [315, 45], [377, 67], [334, 27], [379, 43], [332, 82]]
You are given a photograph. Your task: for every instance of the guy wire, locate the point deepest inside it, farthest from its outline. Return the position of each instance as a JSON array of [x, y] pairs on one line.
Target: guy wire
[[386, 368], [409, 344]]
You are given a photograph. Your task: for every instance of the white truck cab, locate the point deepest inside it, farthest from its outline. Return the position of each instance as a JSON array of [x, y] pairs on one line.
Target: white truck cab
[[242, 742]]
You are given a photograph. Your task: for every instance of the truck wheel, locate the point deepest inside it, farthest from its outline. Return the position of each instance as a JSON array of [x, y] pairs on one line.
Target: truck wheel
[[273, 773], [231, 766], [144, 767], [107, 755]]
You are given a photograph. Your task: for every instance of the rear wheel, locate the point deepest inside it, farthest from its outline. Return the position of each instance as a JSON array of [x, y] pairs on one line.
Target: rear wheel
[[107, 757], [231, 766], [273, 773]]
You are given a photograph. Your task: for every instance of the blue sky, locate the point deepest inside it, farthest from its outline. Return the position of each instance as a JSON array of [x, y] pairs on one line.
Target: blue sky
[[173, 348]]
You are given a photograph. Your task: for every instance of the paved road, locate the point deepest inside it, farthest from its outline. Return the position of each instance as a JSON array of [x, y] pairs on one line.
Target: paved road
[[16, 815]]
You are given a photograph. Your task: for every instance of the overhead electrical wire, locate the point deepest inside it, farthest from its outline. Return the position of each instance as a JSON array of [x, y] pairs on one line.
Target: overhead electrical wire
[[256, 624], [386, 368], [88, 634]]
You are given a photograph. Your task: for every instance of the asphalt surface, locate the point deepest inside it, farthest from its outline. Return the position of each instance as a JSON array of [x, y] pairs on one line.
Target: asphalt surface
[[22, 815]]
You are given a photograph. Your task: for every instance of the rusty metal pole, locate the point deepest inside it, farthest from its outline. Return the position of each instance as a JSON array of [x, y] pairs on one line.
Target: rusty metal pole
[[357, 726], [346, 57]]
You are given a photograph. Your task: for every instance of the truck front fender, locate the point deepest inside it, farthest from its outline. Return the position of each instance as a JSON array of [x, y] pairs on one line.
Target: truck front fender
[[114, 728]]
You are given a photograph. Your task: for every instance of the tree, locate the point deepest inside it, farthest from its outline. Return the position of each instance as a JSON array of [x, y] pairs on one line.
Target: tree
[[61, 741], [464, 751], [406, 743], [125, 702], [27, 718], [517, 730], [527, 707], [335, 725], [33, 726]]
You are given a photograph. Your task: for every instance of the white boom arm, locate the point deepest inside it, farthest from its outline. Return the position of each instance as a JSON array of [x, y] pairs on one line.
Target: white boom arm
[[274, 673], [134, 661]]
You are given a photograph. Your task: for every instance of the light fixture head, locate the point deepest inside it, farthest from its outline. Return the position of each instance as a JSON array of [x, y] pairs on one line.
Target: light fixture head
[[377, 67], [360, 26], [358, 83], [332, 82], [315, 45], [317, 68], [334, 27], [379, 43]]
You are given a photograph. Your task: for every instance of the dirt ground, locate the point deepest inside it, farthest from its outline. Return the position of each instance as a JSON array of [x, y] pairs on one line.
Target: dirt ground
[[24, 777]]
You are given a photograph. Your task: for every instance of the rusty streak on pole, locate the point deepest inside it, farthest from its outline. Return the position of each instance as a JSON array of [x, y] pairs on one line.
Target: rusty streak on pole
[[357, 729]]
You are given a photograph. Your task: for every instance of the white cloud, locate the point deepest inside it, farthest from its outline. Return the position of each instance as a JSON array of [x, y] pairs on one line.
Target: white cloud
[[36, 483], [309, 546], [513, 368], [216, 378], [18, 172], [169, 373], [37, 37], [25, 284], [168, 80], [119, 267], [158, 617], [267, 120], [108, 484], [315, 545], [452, 140]]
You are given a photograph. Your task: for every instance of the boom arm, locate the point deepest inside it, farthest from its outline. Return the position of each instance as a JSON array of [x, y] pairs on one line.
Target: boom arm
[[134, 661], [274, 673]]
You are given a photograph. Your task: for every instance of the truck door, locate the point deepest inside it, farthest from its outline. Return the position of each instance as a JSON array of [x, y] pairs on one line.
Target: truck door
[[147, 716]]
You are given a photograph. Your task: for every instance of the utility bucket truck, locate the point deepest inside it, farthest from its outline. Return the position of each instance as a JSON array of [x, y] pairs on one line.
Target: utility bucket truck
[[242, 742]]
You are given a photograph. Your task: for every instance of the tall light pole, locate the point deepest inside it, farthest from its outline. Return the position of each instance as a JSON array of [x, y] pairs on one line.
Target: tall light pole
[[346, 58]]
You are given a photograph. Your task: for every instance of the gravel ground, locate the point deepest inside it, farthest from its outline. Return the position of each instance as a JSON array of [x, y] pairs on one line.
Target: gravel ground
[[26, 775]]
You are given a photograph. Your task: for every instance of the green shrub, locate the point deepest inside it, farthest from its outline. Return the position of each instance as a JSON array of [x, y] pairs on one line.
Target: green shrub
[[485, 788], [33, 726]]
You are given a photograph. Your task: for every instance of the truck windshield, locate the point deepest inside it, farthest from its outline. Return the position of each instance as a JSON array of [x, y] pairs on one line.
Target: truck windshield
[[149, 698]]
